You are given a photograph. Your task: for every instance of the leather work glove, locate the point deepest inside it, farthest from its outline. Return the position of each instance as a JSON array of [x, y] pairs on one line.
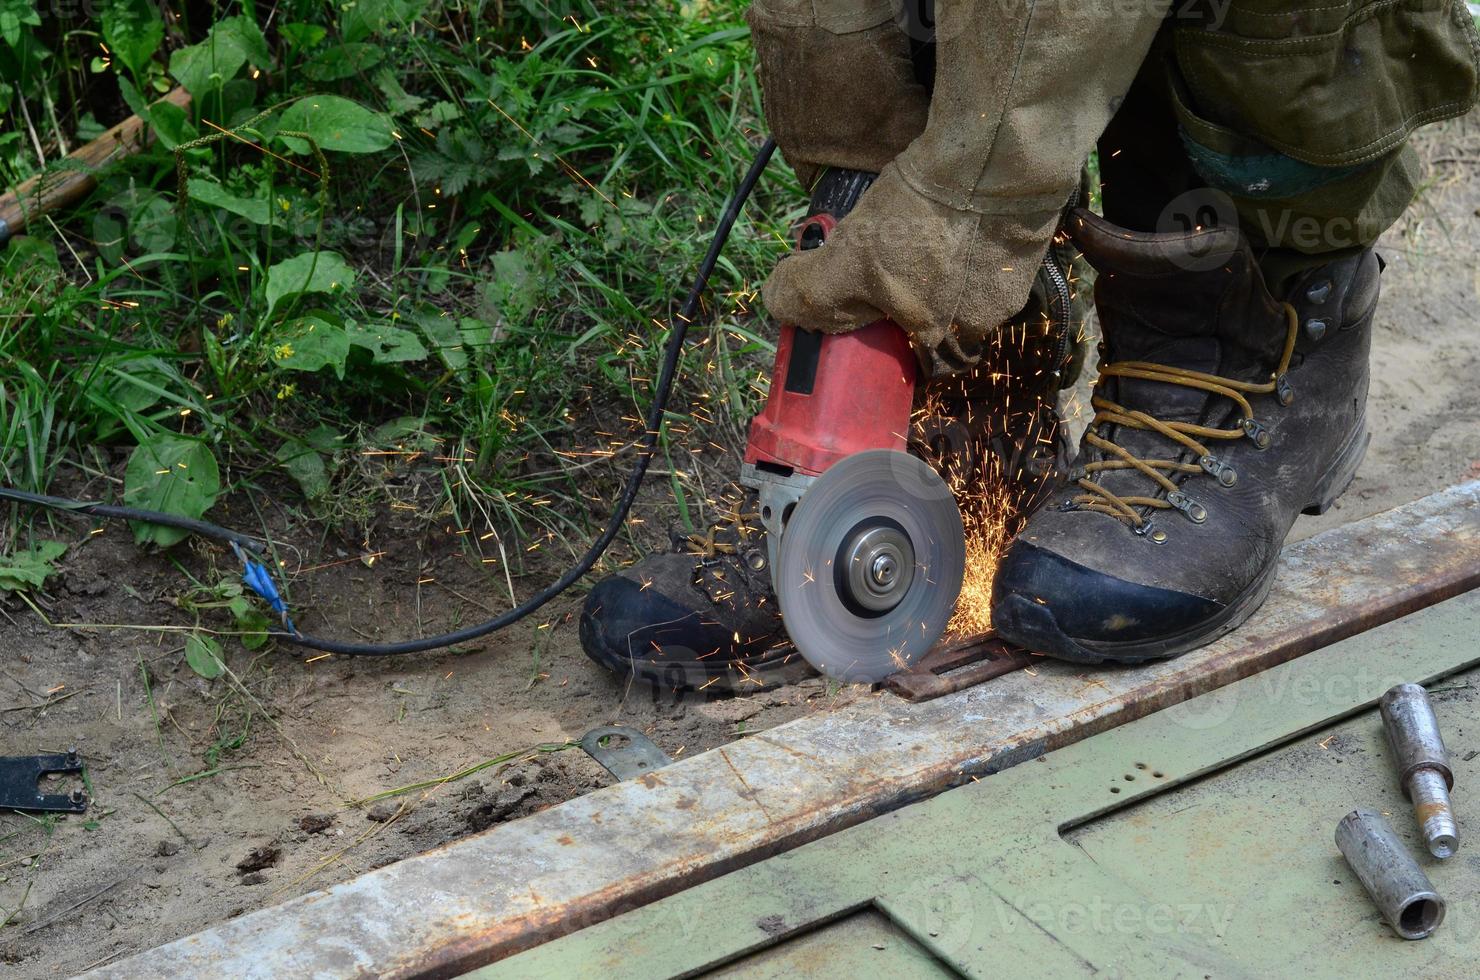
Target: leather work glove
[[837, 82], [949, 238]]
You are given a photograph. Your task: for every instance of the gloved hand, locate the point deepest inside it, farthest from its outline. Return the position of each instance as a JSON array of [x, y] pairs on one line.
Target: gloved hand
[[948, 240], [837, 83]]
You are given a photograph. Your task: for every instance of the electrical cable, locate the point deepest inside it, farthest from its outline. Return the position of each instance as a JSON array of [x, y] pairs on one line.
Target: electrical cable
[[647, 447]]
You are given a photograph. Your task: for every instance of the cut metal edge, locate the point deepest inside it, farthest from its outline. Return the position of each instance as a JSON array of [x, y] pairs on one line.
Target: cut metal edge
[[513, 887]]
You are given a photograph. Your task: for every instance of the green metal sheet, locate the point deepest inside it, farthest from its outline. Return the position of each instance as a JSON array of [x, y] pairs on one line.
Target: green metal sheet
[[1194, 842], [865, 943]]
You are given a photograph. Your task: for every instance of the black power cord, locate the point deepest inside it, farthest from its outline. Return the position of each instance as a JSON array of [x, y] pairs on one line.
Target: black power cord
[[648, 446]]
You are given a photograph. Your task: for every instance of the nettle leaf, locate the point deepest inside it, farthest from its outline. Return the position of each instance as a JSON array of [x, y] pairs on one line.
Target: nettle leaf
[[31, 568], [209, 192], [386, 344], [203, 654], [311, 343], [133, 30], [172, 474], [213, 62], [311, 272], [335, 123]]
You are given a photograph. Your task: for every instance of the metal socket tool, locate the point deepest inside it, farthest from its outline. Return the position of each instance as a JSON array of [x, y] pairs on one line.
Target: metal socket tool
[[1423, 764], [1396, 883]]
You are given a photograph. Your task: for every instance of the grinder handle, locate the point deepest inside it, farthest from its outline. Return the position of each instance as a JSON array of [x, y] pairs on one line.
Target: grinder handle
[[833, 395]]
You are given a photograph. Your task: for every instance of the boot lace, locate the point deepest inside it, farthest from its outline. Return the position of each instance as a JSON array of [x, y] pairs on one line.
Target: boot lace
[[738, 523], [1186, 434]]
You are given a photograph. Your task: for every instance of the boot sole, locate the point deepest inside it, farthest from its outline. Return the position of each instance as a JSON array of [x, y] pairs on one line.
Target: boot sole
[[1342, 471], [1030, 625]]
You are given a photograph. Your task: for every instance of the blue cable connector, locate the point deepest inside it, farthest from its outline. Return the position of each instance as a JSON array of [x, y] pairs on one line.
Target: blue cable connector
[[257, 578]]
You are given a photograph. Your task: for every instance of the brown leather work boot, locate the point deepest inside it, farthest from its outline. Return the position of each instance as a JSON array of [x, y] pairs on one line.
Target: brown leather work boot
[[1221, 413]]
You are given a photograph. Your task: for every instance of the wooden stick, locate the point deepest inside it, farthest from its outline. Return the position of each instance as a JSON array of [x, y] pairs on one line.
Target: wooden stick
[[47, 191]]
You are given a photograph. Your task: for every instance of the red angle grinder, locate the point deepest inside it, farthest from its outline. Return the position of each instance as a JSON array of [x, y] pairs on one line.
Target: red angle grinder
[[866, 544]]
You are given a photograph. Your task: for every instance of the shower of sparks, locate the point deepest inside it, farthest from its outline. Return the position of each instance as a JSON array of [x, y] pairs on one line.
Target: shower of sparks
[[993, 435]]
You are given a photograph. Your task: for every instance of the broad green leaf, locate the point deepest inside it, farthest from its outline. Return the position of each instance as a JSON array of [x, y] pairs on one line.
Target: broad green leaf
[[343, 61], [408, 432], [324, 438], [396, 97], [172, 474], [133, 30], [209, 192], [311, 272], [154, 226], [254, 625], [387, 344], [303, 36], [335, 123], [306, 466], [213, 62], [366, 17], [171, 124], [203, 654], [311, 343], [446, 338], [30, 569]]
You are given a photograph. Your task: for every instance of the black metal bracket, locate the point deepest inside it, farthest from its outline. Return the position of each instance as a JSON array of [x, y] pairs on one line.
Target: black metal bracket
[[624, 752], [20, 784]]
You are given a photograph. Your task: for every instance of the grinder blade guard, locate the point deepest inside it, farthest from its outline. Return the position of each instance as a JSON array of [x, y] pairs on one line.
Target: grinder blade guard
[[865, 541]]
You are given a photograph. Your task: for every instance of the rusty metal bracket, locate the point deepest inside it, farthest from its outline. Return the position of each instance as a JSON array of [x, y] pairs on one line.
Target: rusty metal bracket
[[20, 784], [624, 752], [956, 666]]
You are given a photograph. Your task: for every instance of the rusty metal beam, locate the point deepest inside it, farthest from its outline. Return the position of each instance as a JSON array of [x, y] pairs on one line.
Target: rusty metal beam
[[528, 881]]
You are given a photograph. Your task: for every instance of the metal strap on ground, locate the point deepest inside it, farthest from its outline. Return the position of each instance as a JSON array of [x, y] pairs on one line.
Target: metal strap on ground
[[523, 883]]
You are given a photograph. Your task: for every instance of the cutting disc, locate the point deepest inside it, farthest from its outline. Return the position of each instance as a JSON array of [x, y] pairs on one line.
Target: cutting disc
[[871, 565]]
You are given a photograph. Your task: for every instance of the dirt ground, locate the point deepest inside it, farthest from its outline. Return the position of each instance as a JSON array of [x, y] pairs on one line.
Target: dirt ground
[[210, 799]]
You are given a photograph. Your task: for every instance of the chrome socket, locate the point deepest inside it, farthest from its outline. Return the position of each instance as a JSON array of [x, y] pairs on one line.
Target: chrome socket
[[1395, 882], [1423, 765]]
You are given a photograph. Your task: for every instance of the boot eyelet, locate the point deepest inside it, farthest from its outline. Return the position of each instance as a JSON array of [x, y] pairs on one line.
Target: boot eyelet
[[1319, 292], [1226, 475], [1152, 533], [1283, 390], [1257, 433], [1067, 506], [1194, 511], [1315, 328], [756, 560]]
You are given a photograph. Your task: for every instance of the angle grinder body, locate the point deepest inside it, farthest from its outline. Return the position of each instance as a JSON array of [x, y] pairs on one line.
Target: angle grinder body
[[865, 541]]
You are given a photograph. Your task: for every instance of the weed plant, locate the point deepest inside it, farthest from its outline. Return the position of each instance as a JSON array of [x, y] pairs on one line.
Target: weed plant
[[444, 235]]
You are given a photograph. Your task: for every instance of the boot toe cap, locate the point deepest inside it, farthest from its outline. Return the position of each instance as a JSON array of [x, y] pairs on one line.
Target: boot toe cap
[[1047, 603], [627, 626]]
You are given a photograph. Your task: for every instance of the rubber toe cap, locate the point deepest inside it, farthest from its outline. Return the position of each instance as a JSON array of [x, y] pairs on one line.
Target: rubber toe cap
[[1047, 603]]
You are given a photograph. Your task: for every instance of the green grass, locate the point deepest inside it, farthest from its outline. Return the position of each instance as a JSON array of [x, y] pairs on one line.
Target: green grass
[[491, 255]]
